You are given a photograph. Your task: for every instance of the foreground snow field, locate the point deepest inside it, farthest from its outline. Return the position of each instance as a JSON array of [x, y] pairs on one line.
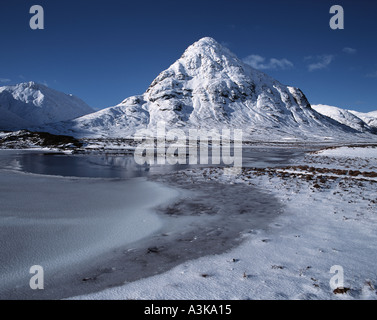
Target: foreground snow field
[[329, 219]]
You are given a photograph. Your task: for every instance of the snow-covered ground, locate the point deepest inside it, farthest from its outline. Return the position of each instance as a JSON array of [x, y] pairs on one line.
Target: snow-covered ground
[[329, 219], [350, 152]]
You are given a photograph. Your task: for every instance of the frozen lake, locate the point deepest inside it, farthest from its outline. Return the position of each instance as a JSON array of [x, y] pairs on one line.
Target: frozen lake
[[57, 222], [64, 211], [123, 166]]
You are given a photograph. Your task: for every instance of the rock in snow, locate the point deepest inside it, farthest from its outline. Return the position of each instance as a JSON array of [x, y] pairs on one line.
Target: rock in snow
[[30, 104]]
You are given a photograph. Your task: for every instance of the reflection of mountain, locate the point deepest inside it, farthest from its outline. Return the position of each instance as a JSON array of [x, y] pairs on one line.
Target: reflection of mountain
[[30, 104], [128, 166], [209, 87]]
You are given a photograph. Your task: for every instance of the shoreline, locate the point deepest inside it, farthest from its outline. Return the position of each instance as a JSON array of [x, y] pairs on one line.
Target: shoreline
[[221, 232], [328, 223], [204, 229]]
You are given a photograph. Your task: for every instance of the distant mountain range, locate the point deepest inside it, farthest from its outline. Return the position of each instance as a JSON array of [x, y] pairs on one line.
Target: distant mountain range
[[363, 122], [208, 87], [369, 118], [31, 104]]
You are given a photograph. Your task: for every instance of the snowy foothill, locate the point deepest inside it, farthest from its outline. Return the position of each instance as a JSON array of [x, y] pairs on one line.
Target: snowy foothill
[[327, 222], [31, 104], [369, 118], [343, 116]]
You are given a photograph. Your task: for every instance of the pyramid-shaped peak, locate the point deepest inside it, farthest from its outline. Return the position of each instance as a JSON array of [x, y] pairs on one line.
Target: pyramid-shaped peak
[[205, 58], [207, 44], [205, 41], [30, 85], [209, 49]]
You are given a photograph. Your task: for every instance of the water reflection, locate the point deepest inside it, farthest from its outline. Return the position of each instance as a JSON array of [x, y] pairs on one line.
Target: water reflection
[[124, 166]]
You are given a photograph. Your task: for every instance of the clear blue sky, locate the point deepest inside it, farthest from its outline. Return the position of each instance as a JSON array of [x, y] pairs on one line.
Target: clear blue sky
[[105, 51]]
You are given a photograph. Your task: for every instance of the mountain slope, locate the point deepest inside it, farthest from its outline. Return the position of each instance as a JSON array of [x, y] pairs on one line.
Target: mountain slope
[[30, 104], [369, 118], [343, 116], [209, 87]]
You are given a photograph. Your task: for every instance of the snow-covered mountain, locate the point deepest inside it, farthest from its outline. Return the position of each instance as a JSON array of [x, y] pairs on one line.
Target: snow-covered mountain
[[209, 87], [343, 116], [370, 118], [30, 104]]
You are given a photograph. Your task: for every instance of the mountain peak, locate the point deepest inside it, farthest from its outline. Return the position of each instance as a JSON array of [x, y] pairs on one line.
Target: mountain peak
[[209, 87], [30, 84], [206, 41], [208, 47]]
